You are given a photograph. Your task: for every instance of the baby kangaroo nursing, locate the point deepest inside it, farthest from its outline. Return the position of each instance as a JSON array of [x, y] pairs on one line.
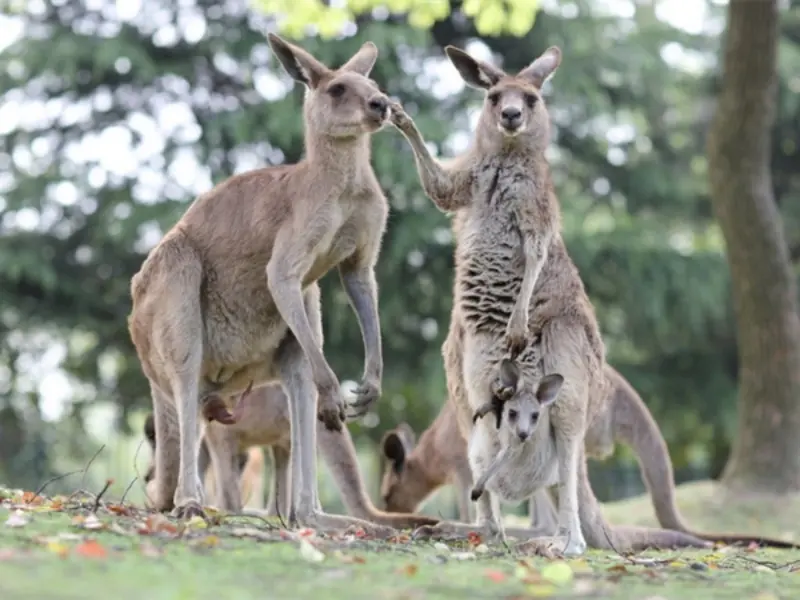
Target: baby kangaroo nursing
[[228, 299], [515, 284], [265, 422]]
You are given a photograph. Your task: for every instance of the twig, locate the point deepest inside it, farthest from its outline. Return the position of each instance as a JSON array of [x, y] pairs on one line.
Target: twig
[[49, 481], [100, 495], [89, 464], [128, 489]]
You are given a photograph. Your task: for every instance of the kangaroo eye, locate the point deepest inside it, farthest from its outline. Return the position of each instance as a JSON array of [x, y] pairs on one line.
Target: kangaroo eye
[[534, 417], [512, 414], [530, 100], [336, 90], [494, 98]]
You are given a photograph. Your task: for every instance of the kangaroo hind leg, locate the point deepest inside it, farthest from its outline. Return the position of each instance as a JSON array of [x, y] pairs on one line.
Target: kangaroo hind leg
[[296, 375]]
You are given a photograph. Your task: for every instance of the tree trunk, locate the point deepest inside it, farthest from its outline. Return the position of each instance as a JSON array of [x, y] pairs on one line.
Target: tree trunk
[[766, 452]]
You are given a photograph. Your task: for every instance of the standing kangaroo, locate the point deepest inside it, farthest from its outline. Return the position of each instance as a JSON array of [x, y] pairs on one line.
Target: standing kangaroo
[[228, 299], [506, 219], [412, 472], [265, 422]]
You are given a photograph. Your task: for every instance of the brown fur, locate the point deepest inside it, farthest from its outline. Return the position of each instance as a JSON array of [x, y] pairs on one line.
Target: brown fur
[[265, 422], [228, 299], [506, 219], [628, 420]]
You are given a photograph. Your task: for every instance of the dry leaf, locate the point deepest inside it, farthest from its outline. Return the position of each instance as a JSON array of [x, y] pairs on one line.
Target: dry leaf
[[441, 547], [462, 555], [91, 549], [17, 519], [156, 523], [617, 569], [495, 576], [119, 509], [92, 522], [474, 538], [481, 548], [309, 552], [31, 498], [410, 570]]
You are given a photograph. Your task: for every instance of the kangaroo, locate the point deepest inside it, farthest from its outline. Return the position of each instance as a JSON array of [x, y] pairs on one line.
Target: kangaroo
[[250, 466], [228, 300], [264, 422], [506, 218], [413, 472]]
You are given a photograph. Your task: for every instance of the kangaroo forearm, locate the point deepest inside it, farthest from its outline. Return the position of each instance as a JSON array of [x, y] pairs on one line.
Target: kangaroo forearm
[[362, 291], [288, 297], [436, 180], [535, 257]]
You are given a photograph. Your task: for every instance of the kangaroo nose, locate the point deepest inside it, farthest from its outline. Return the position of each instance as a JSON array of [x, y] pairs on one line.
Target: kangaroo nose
[[378, 104], [511, 114], [523, 435]]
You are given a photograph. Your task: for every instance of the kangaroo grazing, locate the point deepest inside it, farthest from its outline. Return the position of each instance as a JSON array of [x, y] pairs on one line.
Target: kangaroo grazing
[[228, 299], [502, 195], [265, 422]]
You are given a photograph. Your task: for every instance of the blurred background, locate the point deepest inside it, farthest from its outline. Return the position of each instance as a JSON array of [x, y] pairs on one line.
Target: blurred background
[[114, 116]]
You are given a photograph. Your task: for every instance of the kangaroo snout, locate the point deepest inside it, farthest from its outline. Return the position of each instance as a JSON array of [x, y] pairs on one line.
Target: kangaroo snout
[[523, 434], [511, 117], [379, 106]]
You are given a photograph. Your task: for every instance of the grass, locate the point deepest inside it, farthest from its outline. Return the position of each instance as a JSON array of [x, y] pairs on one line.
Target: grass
[[64, 548]]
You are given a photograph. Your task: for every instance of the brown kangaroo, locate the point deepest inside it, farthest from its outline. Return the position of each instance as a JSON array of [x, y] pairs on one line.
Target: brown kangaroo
[[265, 422], [507, 230], [228, 299], [413, 472]]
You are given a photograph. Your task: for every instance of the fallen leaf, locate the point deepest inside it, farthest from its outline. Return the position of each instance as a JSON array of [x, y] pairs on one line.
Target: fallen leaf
[[462, 555], [209, 541], [58, 548], [558, 572], [441, 547], [481, 548], [307, 533], [119, 509], [349, 559], [402, 538], [309, 552], [31, 498], [752, 547], [156, 523], [197, 522], [92, 522], [495, 576], [409, 570], [474, 538], [617, 569], [17, 519], [91, 549]]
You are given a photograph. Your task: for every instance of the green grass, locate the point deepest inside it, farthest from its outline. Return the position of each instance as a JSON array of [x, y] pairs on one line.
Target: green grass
[[53, 555]]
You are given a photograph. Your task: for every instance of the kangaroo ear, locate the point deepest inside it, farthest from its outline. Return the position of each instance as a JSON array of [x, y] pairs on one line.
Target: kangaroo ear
[[548, 389], [362, 61], [543, 67], [394, 449], [475, 73], [298, 63], [150, 430], [509, 373]]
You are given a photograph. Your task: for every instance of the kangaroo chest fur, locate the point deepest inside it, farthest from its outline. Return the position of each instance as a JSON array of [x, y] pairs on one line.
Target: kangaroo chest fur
[[489, 257]]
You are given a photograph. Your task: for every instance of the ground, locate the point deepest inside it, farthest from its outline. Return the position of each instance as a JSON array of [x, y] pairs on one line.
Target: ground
[[78, 547]]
